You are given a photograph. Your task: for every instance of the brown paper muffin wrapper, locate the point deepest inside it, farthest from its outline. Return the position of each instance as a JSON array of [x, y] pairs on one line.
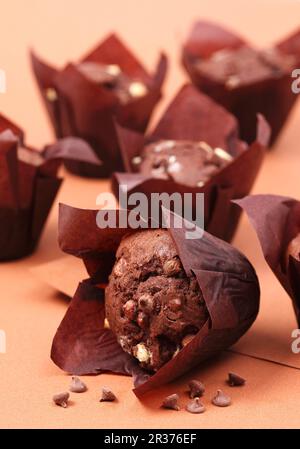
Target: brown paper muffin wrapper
[[28, 187], [82, 344], [194, 116], [272, 97], [276, 220], [79, 107]]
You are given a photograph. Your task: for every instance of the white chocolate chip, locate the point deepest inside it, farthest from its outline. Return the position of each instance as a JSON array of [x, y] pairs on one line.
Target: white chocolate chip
[[137, 89], [204, 146], [172, 159], [223, 154], [136, 160], [113, 69], [232, 82], [142, 353], [200, 184], [175, 167], [51, 94]]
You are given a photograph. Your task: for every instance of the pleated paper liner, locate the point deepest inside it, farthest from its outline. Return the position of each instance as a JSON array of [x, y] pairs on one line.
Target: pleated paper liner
[[194, 116], [83, 345], [79, 107], [28, 186], [273, 97]]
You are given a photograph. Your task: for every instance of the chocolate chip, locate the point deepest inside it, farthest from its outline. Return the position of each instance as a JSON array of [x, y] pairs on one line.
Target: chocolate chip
[[196, 388], [171, 402], [129, 309], [234, 380], [77, 386], [61, 399], [107, 395], [195, 406], [172, 267], [221, 399]]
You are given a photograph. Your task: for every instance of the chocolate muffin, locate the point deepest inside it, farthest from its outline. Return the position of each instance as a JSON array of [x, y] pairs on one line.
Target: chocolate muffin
[[152, 306], [113, 79], [244, 66], [186, 162]]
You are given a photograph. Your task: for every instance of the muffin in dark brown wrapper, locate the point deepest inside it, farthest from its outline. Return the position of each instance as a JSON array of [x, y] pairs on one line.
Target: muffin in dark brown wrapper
[[166, 281], [242, 78], [276, 220], [83, 99], [28, 186], [195, 148]]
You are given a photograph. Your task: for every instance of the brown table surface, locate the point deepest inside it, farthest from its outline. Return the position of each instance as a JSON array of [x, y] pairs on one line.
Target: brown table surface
[[30, 310]]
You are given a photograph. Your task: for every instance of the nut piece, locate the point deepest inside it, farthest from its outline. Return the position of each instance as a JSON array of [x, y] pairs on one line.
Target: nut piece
[[61, 399], [77, 386], [142, 353], [129, 309], [172, 267], [107, 395], [221, 399], [197, 388], [234, 380], [195, 406], [171, 402]]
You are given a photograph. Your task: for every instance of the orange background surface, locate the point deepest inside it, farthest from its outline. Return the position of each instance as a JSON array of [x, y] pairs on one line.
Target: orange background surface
[[30, 310]]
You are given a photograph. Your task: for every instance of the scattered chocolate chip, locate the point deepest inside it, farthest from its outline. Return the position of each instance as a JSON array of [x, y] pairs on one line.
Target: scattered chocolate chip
[[61, 399], [234, 380], [129, 309], [196, 388], [107, 395], [77, 386], [221, 399], [171, 402], [195, 406]]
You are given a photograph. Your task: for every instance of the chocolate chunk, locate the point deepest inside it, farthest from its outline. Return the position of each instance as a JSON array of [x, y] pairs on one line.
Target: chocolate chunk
[[221, 399], [234, 380], [196, 388], [61, 399], [77, 386], [107, 395], [195, 406], [171, 402]]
